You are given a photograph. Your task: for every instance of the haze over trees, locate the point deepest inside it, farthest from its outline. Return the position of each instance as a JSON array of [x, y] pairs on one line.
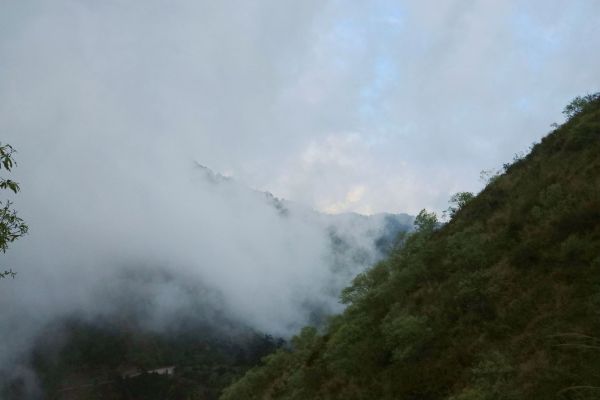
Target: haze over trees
[[146, 315]]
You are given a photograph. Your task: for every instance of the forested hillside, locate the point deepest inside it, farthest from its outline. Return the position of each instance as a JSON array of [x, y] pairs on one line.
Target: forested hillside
[[501, 302], [115, 359]]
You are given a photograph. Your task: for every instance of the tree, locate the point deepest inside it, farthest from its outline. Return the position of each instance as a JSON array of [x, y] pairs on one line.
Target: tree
[[580, 103], [426, 221], [11, 226], [457, 202]]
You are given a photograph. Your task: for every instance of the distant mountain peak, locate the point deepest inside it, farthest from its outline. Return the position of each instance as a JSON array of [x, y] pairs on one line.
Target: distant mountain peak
[[212, 176]]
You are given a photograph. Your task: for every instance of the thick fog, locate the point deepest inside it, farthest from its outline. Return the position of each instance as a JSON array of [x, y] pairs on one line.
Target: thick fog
[[112, 108], [109, 235]]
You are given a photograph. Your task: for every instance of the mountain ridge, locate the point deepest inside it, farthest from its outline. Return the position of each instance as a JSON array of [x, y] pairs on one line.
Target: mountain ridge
[[499, 303]]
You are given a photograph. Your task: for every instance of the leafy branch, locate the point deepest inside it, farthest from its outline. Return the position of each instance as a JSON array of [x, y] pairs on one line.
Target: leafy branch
[[12, 226]]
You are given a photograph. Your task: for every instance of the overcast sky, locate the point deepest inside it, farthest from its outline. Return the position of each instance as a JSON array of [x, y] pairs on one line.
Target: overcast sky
[[364, 106]]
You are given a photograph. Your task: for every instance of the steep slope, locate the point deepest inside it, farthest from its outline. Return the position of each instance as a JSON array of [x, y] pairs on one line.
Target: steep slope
[[502, 302]]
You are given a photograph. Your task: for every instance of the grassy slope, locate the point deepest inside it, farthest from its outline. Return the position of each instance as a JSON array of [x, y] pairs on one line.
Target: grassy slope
[[503, 302]]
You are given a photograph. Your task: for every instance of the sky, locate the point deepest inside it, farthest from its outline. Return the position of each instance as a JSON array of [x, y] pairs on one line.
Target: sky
[[379, 106]]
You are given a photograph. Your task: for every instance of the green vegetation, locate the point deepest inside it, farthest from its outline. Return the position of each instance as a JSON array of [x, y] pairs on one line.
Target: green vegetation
[[83, 360], [502, 302], [457, 202], [11, 226]]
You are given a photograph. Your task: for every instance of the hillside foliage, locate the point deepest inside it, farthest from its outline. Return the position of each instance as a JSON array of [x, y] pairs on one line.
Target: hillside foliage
[[501, 302]]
